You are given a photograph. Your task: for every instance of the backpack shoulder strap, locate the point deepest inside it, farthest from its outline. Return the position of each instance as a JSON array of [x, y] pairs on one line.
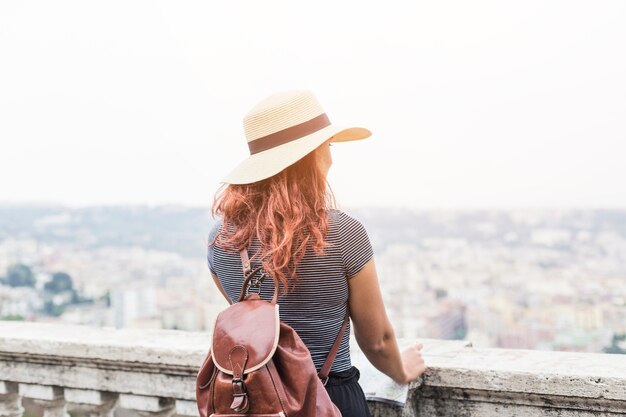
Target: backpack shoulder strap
[[245, 261], [325, 370]]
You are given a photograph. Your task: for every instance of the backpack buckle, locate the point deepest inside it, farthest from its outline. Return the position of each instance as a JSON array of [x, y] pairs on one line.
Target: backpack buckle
[[256, 283], [240, 402]]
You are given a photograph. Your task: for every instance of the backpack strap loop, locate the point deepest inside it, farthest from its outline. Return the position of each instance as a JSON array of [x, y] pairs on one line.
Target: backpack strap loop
[[238, 357], [249, 273]]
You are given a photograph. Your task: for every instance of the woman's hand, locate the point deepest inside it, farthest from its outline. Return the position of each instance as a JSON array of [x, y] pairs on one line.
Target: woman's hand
[[413, 362]]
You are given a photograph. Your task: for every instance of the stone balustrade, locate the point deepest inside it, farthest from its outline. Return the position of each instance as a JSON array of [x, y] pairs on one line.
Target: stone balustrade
[[66, 367]]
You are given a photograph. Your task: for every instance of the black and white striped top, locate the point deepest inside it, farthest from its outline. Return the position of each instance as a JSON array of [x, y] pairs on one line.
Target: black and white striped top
[[316, 307]]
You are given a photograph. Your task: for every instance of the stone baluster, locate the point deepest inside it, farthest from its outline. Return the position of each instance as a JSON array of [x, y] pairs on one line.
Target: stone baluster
[[95, 403], [148, 406], [10, 400], [49, 397]]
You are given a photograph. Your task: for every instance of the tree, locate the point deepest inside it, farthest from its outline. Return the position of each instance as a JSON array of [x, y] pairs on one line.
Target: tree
[[12, 317], [60, 282], [106, 297], [20, 275], [75, 297], [615, 344], [52, 309]]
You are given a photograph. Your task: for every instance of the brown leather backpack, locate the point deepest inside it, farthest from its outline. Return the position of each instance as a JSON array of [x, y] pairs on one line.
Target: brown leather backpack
[[258, 366]]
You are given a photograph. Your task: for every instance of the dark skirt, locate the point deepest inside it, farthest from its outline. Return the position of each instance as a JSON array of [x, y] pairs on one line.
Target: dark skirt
[[345, 391]]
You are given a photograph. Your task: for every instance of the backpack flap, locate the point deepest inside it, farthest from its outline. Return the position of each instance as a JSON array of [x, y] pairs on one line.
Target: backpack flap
[[245, 336]]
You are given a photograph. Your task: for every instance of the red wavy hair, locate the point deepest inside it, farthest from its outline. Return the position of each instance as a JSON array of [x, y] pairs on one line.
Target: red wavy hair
[[287, 212]]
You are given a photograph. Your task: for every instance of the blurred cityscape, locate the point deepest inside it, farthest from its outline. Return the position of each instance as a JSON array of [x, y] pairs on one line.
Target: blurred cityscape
[[532, 279]]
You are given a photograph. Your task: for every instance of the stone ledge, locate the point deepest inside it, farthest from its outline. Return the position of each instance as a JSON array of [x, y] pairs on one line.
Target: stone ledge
[[103, 345], [460, 379], [590, 375]]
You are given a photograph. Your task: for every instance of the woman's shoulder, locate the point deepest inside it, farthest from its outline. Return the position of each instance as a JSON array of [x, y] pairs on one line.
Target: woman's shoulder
[[356, 248], [344, 221]]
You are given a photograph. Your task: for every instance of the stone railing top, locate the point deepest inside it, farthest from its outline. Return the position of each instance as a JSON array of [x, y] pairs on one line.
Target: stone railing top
[[571, 374], [145, 346], [544, 362], [450, 363]]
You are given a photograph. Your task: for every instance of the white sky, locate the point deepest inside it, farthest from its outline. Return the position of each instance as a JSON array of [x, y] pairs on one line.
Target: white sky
[[472, 104]]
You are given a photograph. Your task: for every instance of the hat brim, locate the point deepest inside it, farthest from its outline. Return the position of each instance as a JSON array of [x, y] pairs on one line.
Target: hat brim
[[264, 164]]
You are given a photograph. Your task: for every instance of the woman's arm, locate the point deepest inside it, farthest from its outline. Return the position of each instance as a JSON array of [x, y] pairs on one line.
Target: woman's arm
[[373, 330], [219, 286]]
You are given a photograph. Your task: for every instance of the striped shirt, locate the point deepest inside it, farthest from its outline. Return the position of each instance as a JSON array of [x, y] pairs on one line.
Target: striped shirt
[[316, 307]]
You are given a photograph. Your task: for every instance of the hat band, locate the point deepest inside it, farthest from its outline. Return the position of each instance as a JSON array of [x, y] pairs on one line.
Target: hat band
[[290, 134]]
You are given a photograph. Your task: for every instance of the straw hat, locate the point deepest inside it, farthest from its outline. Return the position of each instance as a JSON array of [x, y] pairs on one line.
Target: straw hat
[[282, 129]]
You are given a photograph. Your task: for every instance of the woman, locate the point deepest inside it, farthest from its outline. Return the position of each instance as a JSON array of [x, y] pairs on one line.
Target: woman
[[277, 204]]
